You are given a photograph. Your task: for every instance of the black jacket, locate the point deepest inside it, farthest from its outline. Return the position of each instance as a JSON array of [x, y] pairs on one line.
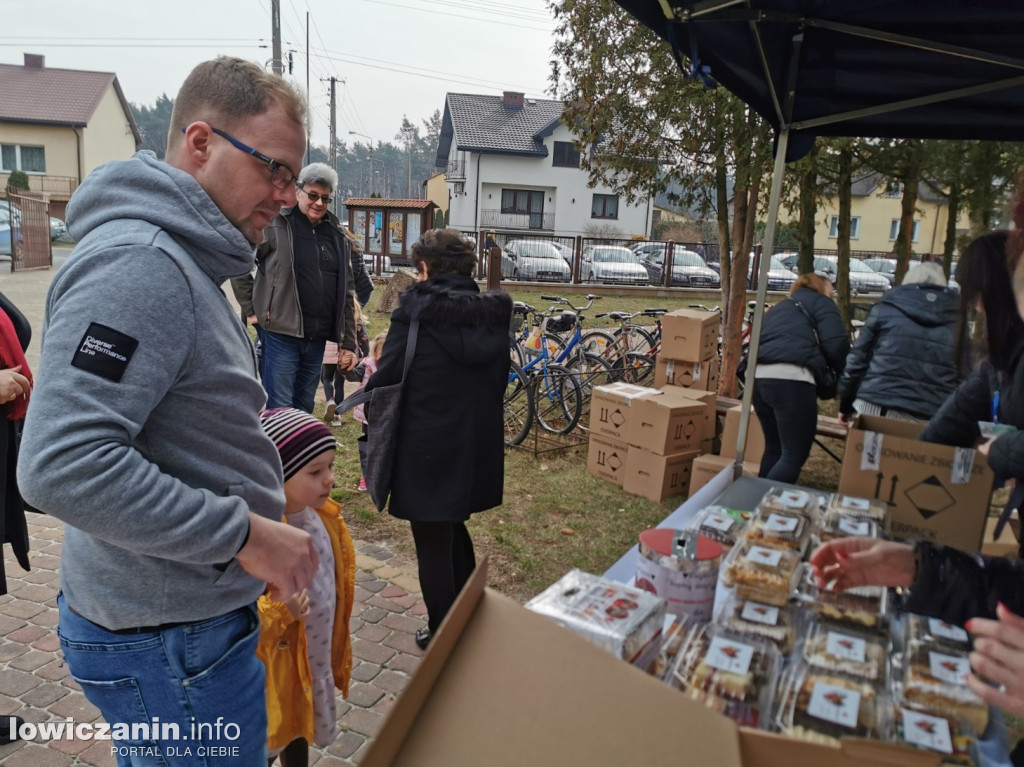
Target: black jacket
[[788, 335], [903, 357], [363, 284], [450, 461], [13, 526], [956, 423]]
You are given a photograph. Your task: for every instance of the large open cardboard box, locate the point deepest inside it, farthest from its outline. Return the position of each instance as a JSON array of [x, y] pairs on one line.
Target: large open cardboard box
[[503, 686]]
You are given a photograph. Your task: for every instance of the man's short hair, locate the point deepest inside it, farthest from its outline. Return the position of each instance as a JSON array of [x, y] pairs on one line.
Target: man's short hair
[[318, 173], [444, 251], [225, 91]]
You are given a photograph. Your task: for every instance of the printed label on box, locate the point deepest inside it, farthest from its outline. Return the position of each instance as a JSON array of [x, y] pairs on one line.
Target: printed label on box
[[949, 668], [846, 647], [854, 504], [726, 655], [871, 456], [794, 499], [853, 526], [834, 704], [759, 613], [963, 465], [928, 731], [717, 522], [763, 556], [781, 524], [946, 630]]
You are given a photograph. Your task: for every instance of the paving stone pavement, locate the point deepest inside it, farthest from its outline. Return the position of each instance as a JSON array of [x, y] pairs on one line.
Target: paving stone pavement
[[35, 685]]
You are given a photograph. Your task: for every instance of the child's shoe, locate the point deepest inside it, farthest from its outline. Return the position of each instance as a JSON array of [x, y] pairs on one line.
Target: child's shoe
[[332, 408], [336, 421], [362, 485]]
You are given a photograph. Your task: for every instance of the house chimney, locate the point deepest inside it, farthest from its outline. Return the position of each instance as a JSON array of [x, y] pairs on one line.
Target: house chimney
[[34, 61], [512, 99]]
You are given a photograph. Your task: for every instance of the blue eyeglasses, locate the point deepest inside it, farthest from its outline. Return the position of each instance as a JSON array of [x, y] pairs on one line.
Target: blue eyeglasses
[[281, 175]]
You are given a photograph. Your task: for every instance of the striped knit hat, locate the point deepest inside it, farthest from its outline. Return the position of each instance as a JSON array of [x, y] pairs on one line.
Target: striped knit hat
[[298, 436]]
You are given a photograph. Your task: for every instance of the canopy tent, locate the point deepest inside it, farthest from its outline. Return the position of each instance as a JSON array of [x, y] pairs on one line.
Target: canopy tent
[[945, 69]]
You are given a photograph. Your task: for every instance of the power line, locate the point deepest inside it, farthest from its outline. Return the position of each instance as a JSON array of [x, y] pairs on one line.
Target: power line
[[461, 16]]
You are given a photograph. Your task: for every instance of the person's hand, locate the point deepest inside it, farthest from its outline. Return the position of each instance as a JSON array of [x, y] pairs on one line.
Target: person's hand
[[845, 418], [999, 657], [282, 555], [13, 384], [846, 563], [252, 319], [298, 605], [986, 446], [346, 359]]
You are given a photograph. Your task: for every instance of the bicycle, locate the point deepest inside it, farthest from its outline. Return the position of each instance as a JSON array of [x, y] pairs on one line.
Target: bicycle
[[519, 406], [628, 364]]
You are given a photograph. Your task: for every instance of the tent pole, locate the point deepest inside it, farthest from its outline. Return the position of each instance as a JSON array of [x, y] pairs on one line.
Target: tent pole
[[762, 293]]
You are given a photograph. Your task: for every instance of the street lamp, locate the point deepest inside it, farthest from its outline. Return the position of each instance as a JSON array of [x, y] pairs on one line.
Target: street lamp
[[355, 133]]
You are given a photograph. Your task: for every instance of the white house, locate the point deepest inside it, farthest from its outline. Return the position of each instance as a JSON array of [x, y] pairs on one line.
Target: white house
[[510, 165]]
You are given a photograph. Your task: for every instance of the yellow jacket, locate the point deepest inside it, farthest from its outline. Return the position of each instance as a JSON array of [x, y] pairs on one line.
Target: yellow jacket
[[282, 646]]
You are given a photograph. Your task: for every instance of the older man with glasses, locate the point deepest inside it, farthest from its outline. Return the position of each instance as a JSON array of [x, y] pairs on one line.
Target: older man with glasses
[[302, 293]]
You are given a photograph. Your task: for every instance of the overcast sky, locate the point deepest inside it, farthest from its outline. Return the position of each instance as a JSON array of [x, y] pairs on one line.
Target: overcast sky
[[396, 56]]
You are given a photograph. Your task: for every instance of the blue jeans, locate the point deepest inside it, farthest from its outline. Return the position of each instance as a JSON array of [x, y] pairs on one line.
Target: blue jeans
[[291, 370], [202, 681]]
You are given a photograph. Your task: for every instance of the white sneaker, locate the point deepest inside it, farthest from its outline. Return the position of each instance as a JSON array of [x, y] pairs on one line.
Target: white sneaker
[[331, 410], [336, 421]]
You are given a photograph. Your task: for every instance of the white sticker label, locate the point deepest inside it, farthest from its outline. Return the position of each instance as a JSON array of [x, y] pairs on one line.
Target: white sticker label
[[758, 613], [871, 456], [763, 556], [727, 655], [696, 372], [963, 465], [946, 630], [718, 522], [949, 668], [670, 371], [781, 524], [853, 527], [928, 731], [846, 647], [834, 704], [794, 499], [849, 503]]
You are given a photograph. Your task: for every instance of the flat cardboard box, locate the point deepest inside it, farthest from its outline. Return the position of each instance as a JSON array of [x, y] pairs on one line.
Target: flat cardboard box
[[934, 492], [707, 467], [755, 437], [503, 687], [657, 477], [667, 423], [606, 458], [610, 408], [697, 375], [1006, 546], [687, 334]]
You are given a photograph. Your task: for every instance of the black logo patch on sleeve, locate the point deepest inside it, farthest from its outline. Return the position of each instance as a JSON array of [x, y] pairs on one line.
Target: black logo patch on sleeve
[[105, 352]]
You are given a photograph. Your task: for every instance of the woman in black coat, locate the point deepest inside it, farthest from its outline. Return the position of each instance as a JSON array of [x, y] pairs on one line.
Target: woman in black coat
[[450, 460], [802, 339]]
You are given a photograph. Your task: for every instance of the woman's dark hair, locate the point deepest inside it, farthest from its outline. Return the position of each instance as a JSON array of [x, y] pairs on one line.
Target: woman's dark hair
[[982, 274], [444, 251]]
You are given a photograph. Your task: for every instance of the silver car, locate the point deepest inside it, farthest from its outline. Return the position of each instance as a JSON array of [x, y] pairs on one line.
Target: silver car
[[611, 264], [863, 279], [536, 260]]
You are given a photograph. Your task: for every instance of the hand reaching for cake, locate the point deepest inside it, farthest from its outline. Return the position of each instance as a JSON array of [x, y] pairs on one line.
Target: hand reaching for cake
[[999, 657], [846, 563]]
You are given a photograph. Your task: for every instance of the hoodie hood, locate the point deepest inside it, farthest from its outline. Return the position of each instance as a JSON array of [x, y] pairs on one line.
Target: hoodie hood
[[144, 189], [471, 326], [927, 305]]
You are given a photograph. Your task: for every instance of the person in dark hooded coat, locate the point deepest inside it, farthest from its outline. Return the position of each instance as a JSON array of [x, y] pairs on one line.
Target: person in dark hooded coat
[[450, 460], [903, 364]]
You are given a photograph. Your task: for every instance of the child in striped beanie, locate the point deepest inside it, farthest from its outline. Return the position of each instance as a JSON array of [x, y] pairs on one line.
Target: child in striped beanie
[[305, 641]]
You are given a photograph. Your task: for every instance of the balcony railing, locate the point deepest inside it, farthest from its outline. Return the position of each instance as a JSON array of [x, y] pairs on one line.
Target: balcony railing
[[499, 220], [55, 186], [456, 171]]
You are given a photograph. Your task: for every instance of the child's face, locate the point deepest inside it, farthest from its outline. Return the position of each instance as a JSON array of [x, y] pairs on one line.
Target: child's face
[[310, 485]]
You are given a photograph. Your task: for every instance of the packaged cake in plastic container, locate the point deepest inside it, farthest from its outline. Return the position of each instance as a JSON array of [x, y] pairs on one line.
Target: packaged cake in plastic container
[[768, 623], [828, 647], [820, 706], [732, 674], [780, 529], [762, 573], [792, 501], [860, 508], [934, 680], [625, 621], [936, 632], [721, 525], [863, 607], [952, 738], [837, 525]]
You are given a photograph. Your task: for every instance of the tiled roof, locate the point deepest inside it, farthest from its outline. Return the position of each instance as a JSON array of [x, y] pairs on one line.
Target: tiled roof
[[485, 124], [55, 96], [386, 202]]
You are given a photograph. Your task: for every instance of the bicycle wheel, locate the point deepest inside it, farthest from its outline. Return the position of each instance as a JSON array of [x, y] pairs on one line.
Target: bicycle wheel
[[558, 399], [637, 369], [519, 408], [516, 352], [592, 370], [555, 345], [640, 339], [600, 342]]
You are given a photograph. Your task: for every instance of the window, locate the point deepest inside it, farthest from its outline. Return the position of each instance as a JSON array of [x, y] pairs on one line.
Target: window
[[605, 206], [565, 155], [894, 230], [31, 159], [894, 189], [833, 227], [521, 201]]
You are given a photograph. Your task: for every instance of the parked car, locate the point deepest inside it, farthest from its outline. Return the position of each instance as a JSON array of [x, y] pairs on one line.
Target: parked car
[[863, 279], [565, 250], [884, 266], [688, 268], [779, 277], [58, 229], [611, 264], [538, 260]]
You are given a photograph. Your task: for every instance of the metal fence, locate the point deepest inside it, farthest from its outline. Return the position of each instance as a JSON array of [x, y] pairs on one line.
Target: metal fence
[[27, 238]]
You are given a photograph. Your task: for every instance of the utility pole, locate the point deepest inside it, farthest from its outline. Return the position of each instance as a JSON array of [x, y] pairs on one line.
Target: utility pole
[[372, 184], [309, 105], [275, 21], [334, 135]]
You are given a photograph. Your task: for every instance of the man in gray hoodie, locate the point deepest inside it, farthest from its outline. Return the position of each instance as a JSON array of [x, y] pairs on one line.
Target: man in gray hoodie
[[171, 492]]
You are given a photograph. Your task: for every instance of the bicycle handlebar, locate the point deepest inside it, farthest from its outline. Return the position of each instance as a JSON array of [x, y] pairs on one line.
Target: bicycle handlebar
[[578, 309]]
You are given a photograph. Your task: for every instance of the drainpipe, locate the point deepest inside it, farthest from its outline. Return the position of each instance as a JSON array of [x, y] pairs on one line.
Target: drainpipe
[[78, 152], [476, 202]]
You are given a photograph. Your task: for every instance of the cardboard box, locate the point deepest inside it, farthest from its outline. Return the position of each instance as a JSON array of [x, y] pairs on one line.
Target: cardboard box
[[503, 687], [606, 458], [934, 492], [610, 408], [688, 334], [1006, 546], [657, 477], [667, 423], [710, 400], [755, 437], [697, 375], [707, 467]]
